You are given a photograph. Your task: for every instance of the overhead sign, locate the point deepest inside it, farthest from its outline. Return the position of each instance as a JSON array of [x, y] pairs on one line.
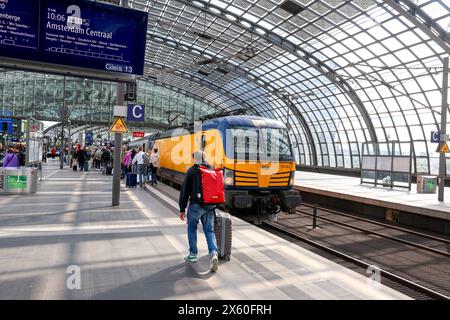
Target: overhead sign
[[19, 25], [136, 112], [89, 138], [78, 33], [435, 136], [138, 134], [119, 126]]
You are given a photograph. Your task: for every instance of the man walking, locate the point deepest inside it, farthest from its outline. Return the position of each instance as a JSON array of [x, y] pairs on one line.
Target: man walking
[[190, 191], [139, 158]]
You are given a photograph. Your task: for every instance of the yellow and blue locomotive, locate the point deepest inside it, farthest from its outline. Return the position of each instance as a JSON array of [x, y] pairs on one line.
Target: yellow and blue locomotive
[[254, 152]]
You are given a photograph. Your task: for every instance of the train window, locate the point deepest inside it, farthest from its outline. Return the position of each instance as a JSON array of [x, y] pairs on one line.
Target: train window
[[245, 144], [203, 142]]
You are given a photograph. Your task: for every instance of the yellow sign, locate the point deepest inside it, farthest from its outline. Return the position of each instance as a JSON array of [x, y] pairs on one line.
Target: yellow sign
[[119, 126], [444, 148]]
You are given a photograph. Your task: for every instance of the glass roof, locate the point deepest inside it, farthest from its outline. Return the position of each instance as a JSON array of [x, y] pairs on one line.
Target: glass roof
[[342, 72], [338, 72]]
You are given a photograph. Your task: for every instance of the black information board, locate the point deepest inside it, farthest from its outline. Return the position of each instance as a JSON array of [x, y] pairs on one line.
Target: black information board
[[78, 33]]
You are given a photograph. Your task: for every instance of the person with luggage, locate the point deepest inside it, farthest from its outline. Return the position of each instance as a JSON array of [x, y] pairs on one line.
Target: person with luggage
[[127, 162], [198, 211], [154, 165], [140, 159]]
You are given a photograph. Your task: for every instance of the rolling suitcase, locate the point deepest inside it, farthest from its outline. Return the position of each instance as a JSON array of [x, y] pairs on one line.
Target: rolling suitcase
[[86, 166], [108, 170], [75, 167], [222, 229], [131, 180]]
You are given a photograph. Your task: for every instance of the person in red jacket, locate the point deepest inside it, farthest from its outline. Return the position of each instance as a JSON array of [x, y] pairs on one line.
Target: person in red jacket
[[190, 191]]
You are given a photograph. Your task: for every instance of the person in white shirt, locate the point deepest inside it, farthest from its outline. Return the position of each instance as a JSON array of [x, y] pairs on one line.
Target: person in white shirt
[[154, 165], [139, 159]]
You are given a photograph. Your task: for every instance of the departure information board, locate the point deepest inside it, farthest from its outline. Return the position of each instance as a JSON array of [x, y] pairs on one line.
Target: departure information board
[[19, 25], [78, 33]]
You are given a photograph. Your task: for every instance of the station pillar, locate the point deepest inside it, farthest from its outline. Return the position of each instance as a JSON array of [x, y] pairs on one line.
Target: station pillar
[[442, 164], [117, 151]]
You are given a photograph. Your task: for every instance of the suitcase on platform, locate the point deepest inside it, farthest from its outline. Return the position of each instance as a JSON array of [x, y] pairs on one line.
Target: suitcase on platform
[[131, 180], [74, 167], [222, 229]]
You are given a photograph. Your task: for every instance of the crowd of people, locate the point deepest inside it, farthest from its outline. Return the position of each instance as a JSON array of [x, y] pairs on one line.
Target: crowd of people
[[131, 160], [99, 158]]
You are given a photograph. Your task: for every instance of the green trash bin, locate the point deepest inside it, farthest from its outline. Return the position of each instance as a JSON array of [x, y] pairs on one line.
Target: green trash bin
[[426, 184], [19, 180], [430, 185]]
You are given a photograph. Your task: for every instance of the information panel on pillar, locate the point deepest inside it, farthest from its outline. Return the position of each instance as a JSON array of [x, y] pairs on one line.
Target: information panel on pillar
[[77, 33]]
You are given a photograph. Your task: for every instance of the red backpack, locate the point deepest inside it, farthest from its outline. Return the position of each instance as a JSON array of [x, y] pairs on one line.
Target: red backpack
[[212, 185]]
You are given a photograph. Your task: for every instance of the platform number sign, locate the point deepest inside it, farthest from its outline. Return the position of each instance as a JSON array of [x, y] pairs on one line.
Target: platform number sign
[[136, 112], [435, 135]]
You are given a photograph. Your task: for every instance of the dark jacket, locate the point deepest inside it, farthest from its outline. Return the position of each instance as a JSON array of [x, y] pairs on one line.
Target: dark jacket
[[191, 188], [106, 156], [81, 156]]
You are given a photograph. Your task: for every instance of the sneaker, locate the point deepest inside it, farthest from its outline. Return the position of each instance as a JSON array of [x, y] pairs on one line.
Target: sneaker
[[191, 257], [214, 262]]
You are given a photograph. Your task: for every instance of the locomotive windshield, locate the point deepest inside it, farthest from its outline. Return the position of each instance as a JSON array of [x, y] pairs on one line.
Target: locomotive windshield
[[258, 144]]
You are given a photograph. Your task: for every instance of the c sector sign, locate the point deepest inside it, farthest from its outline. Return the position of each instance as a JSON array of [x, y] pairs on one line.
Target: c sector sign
[[77, 33]]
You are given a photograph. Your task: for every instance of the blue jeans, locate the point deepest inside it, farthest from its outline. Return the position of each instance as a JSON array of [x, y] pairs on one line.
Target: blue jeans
[[195, 214], [140, 173]]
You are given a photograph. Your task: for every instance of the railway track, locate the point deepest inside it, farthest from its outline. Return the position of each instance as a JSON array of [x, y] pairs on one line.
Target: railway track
[[402, 281], [368, 224], [427, 280]]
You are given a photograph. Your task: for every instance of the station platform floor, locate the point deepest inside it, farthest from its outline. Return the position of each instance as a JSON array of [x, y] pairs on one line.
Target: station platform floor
[[135, 251], [349, 188]]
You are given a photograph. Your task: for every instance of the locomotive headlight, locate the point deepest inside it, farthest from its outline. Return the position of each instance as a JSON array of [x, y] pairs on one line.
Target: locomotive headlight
[[229, 177]]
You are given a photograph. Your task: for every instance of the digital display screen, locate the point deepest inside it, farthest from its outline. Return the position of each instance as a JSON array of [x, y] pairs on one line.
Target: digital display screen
[[19, 25], [77, 33]]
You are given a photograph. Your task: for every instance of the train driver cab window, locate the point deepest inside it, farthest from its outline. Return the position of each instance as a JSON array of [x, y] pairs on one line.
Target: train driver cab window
[[245, 143], [274, 144]]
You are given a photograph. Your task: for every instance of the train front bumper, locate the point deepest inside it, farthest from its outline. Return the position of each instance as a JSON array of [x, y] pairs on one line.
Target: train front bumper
[[246, 199]]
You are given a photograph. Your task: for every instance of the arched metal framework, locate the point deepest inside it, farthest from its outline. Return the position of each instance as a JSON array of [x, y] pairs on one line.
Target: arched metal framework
[[339, 72]]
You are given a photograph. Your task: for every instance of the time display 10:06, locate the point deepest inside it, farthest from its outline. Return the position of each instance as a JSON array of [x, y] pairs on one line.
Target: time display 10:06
[[56, 16]]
